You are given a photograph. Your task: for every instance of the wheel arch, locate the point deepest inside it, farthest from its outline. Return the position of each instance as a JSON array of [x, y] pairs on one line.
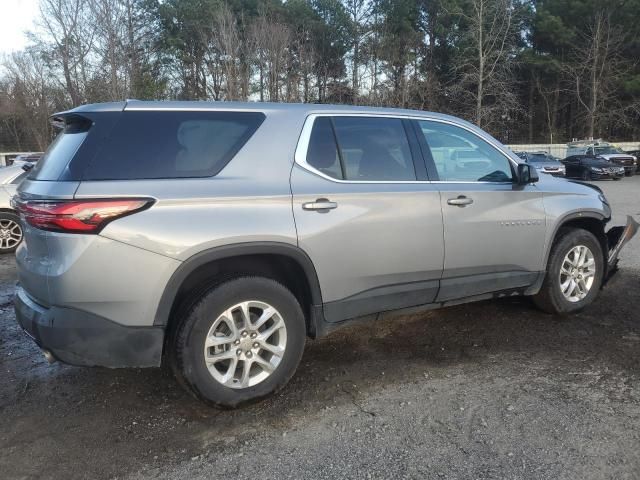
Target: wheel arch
[[590, 221], [282, 262]]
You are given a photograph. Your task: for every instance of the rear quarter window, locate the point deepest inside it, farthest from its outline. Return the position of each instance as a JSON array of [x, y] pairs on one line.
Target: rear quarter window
[[61, 151], [168, 144]]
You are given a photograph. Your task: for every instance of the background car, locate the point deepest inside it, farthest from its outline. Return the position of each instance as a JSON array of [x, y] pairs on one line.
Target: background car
[[592, 168], [26, 159], [10, 229], [635, 154], [544, 162], [598, 148]]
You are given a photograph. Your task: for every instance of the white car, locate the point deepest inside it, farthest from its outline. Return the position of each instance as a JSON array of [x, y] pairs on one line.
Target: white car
[[10, 229]]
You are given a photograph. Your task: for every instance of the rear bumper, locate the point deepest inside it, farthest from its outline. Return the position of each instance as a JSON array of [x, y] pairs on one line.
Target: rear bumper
[[81, 338]]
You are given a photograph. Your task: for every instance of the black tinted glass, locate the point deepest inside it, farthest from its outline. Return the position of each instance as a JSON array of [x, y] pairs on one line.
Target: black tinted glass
[[165, 144], [374, 148], [60, 152], [322, 153]]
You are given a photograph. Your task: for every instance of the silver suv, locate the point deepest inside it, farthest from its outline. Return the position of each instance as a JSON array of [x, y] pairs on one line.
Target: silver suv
[[216, 237]]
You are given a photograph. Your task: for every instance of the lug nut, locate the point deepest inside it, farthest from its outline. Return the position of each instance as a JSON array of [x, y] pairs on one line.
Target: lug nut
[[249, 354], [244, 334], [254, 335], [238, 352], [237, 342], [256, 345]]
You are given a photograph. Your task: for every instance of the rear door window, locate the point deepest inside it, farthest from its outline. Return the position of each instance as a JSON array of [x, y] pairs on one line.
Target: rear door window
[[361, 149], [172, 144]]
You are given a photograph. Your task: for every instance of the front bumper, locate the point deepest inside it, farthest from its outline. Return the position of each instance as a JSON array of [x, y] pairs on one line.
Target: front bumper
[[617, 237], [606, 175], [81, 338]]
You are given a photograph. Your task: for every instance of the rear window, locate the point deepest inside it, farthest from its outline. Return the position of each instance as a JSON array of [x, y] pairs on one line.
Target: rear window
[[167, 144], [61, 151]]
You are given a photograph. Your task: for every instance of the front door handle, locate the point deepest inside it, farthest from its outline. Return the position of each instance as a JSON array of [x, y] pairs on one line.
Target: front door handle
[[461, 201], [321, 205]]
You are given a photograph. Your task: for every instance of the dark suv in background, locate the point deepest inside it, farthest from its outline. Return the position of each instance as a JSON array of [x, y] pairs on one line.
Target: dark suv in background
[[587, 167]]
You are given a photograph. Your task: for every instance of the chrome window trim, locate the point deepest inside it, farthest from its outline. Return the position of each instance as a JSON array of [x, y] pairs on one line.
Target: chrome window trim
[[300, 156]]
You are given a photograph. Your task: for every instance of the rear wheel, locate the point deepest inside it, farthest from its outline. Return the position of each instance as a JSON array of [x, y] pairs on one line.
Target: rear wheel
[[10, 232], [239, 342], [574, 273]]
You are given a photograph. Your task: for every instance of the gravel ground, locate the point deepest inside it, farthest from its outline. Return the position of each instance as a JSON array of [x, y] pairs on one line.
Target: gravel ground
[[489, 390]]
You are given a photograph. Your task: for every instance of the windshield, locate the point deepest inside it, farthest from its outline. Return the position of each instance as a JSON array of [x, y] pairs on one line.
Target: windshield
[[606, 150], [541, 157]]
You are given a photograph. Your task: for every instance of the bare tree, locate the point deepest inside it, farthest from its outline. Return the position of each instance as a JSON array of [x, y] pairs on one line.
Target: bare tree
[[359, 12], [227, 42], [485, 66], [65, 27], [30, 96], [109, 19], [596, 72], [272, 40]]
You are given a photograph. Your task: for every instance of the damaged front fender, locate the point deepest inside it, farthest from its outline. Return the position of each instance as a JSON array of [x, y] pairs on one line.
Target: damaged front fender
[[617, 237]]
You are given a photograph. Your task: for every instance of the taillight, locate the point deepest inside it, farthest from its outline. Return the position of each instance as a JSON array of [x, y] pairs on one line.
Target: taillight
[[77, 216]]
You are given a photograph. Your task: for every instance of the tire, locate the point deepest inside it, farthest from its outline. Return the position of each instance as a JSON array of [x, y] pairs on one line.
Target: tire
[[585, 175], [222, 384], [10, 232], [551, 298]]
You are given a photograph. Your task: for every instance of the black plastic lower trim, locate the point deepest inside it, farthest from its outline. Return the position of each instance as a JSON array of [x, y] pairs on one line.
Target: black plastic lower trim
[[469, 286], [81, 338], [376, 300]]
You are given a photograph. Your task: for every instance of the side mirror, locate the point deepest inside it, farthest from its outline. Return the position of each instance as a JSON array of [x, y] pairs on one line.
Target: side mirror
[[527, 174]]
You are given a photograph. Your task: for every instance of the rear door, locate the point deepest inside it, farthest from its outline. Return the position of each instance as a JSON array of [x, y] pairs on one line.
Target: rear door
[[494, 229], [366, 214]]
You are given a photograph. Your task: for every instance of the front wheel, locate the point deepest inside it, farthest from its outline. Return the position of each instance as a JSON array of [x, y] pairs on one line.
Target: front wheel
[[586, 175], [239, 342], [574, 273]]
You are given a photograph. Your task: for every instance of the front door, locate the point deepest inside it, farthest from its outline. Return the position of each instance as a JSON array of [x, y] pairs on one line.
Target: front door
[[366, 216], [494, 229]]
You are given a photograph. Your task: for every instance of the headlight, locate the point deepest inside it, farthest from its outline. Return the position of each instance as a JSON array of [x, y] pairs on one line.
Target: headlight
[[596, 169]]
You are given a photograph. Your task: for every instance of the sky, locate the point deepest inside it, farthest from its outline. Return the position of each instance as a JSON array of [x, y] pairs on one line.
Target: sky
[[16, 16]]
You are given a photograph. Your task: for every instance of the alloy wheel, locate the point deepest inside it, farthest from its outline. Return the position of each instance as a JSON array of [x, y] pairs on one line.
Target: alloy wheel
[[10, 234], [577, 273], [245, 344]]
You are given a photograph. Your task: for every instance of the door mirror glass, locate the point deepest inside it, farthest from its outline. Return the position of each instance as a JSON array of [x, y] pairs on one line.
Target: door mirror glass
[[527, 174]]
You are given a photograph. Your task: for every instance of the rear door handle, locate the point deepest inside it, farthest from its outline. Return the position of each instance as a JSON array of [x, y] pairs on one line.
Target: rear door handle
[[461, 201], [321, 205]]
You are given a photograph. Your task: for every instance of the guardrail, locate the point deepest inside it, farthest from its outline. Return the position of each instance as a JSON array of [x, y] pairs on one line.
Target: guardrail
[[560, 149], [4, 156]]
